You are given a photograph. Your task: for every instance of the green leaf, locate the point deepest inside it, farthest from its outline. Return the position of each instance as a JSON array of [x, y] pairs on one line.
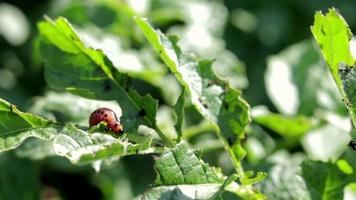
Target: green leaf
[[80, 147], [35, 149], [230, 68], [179, 113], [64, 140], [71, 66], [325, 180], [289, 127], [181, 174], [16, 126], [327, 142], [297, 84], [180, 192], [259, 144], [333, 35], [181, 166], [19, 178], [248, 179], [216, 100], [284, 179]]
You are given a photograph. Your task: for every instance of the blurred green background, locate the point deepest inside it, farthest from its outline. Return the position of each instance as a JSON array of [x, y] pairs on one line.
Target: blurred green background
[[263, 48]]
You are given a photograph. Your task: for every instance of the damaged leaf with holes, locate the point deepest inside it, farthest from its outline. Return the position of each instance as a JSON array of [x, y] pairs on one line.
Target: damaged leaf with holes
[[333, 36], [63, 140], [215, 100], [73, 67]]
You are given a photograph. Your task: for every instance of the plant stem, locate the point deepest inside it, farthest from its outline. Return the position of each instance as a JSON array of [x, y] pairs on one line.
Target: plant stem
[[207, 126], [166, 140], [235, 162]]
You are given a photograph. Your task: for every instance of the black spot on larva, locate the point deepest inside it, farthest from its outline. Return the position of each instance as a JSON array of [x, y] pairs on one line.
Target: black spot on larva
[[142, 113], [101, 112], [105, 115], [122, 131], [205, 105]]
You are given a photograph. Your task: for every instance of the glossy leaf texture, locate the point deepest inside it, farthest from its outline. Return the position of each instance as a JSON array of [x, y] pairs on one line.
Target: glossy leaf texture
[[333, 36], [215, 100], [73, 67]]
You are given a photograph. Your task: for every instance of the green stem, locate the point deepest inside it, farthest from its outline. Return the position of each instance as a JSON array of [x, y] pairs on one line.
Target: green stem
[[207, 126], [235, 162], [169, 143]]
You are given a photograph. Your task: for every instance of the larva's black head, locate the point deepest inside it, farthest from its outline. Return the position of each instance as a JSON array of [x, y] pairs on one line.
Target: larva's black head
[[121, 131]]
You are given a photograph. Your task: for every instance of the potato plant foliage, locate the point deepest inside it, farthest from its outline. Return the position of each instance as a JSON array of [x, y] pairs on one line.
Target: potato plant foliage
[[190, 133]]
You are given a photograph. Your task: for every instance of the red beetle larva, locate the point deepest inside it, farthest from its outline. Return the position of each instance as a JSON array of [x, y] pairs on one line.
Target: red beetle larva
[[108, 116]]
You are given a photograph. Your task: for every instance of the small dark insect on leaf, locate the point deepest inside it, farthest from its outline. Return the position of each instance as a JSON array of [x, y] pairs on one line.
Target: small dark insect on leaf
[[343, 68], [352, 144]]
